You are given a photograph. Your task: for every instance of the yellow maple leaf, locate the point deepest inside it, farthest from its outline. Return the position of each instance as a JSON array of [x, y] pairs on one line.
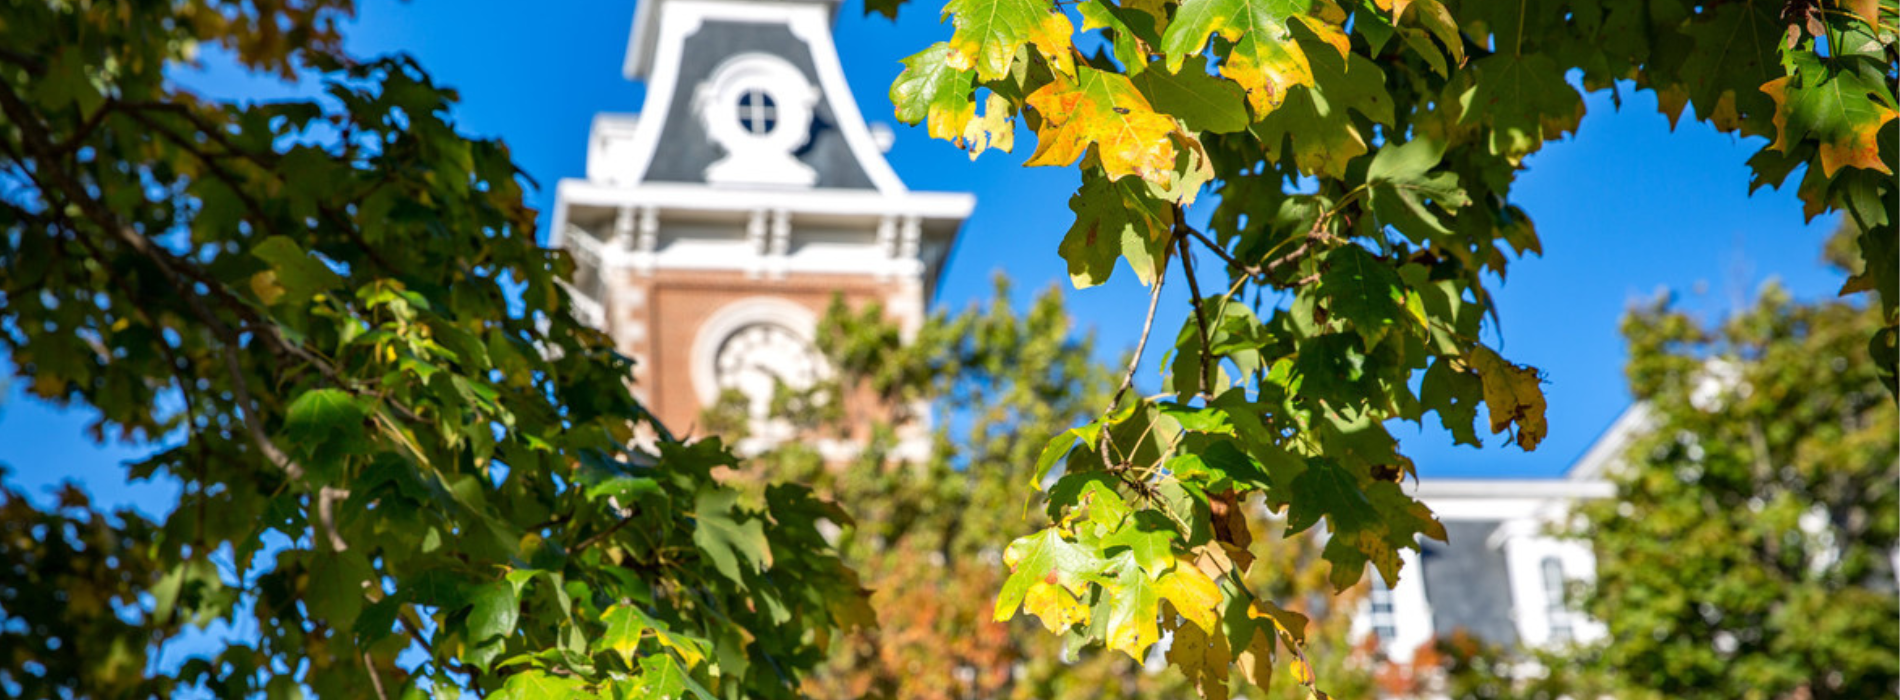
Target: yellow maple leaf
[[989, 32], [1265, 60], [1203, 658], [1512, 395], [1057, 607], [1193, 594], [1104, 111]]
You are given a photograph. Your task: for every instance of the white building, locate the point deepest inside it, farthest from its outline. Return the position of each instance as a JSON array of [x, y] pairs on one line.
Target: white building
[[1502, 576], [713, 228]]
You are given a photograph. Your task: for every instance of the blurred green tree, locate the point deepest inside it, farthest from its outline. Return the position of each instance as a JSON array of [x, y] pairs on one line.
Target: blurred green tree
[[998, 382]]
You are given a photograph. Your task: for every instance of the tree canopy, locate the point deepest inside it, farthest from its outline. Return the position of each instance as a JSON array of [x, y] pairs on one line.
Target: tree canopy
[[408, 470], [927, 528], [1749, 551], [406, 467], [1353, 165]]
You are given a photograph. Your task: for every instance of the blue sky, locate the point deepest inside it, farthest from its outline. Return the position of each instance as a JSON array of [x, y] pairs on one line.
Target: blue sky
[[1625, 209]]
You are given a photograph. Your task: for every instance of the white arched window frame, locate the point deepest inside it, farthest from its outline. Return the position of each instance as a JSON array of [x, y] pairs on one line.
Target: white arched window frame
[[759, 109]]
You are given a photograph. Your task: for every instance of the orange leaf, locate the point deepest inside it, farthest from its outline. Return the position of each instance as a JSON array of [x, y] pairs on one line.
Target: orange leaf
[[1104, 111]]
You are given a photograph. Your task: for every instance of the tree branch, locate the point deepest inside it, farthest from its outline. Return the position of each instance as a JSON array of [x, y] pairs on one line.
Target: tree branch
[[1154, 299], [1194, 290]]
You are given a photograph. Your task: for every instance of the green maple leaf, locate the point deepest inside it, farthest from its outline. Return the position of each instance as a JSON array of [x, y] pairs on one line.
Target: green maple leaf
[[1044, 556], [1202, 101], [726, 536], [663, 678], [1364, 291], [1402, 188], [1115, 219], [1315, 119], [496, 609], [1059, 446], [1839, 104], [1524, 100], [625, 626], [535, 684], [930, 90], [1265, 60], [322, 427], [297, 275], [1131, 28], [989, 33], [1149, 536], [1366, 524], [1454, 394], [1737, 50]]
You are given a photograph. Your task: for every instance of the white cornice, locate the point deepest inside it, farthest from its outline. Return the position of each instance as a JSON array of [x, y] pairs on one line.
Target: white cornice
[[687, 197], [1429, 488], [1610, 447]]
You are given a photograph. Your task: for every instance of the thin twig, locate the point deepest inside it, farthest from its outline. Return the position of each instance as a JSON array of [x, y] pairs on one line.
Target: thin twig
[[603, 534], [375, 677], [1154, 299], [1200, 316], [1263, 271]]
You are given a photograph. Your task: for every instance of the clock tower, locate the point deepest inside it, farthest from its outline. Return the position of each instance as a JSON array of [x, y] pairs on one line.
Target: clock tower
[[714, 227]]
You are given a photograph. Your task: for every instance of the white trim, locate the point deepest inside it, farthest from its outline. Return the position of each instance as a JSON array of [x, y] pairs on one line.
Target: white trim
[[779, 311], [572, 192], [765, 156], [811, 22], [1511, 489], [1600, 459], [640, 36]]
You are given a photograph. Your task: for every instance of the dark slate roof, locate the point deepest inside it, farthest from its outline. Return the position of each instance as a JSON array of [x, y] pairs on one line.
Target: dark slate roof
[[684, 150], [1467, 583]]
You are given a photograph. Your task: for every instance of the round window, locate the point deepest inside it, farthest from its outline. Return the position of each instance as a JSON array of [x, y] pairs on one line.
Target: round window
[[757, 112]]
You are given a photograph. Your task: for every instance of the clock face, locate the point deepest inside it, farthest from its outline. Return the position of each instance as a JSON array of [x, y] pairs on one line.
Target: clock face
[[758, 357]]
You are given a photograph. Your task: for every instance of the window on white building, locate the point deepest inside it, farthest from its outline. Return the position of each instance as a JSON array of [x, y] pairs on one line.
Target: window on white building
[[1384, 624], [1558, 614]]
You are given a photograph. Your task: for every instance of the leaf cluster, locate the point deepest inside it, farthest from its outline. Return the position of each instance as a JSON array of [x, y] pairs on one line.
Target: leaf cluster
[[1360, 157], [405, 467]]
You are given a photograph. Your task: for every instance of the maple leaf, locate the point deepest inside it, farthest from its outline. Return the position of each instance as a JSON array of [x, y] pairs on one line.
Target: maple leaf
[[989, 33], [995, 129], [930, 90], [1402, 189], [1264, 60], [1525, 100], [1314, 118], [1102, 112], [1134, 602], [1841, 104], [1133, 30], [1364, 291], [1059, 608], [1737, 47], [1202, 101], [1511, 394], [1150, 537], [1044, 557], [1204, 658], [1368, 523], [1114, 219]]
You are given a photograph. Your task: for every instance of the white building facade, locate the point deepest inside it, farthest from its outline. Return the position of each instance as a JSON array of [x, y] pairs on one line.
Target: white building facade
[[1504, 575], [713, 229]]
